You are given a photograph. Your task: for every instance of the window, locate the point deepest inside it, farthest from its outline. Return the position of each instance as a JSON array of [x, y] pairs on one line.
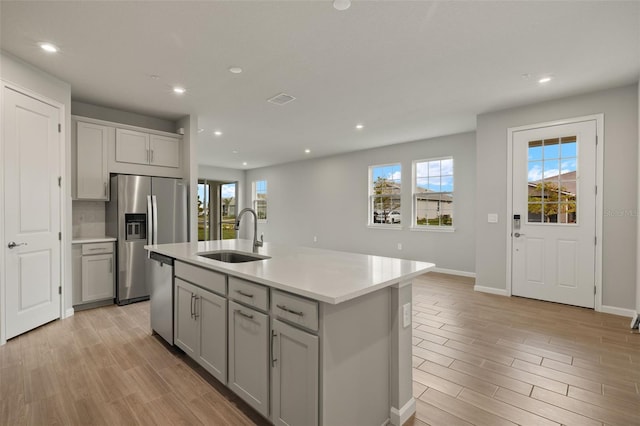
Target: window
[[385, 185], [433, 193], [216, 210], [260, 199]]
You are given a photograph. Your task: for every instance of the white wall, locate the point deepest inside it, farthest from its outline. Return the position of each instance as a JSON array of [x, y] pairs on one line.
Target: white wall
[[620, 108], [328, 198], [19, 73]]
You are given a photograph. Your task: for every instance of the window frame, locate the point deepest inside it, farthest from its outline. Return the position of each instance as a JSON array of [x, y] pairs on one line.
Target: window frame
[[415, 194], [370, 209], [254, 199]]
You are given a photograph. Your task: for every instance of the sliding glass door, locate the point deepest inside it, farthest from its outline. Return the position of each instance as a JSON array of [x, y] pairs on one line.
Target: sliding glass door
[[216, 209]]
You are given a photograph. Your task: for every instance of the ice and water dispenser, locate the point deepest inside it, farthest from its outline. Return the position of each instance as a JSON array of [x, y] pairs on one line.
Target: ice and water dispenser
[[135, 226]]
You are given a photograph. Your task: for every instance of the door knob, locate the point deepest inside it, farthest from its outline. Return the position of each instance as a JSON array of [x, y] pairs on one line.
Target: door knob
[[13, 244], [518, 235]]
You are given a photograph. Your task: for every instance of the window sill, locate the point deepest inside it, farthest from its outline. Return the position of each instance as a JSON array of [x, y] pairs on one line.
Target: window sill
[[383, 226], [432, 229]]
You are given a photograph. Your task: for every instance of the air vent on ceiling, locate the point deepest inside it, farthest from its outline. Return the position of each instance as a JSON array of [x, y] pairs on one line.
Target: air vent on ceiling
[[281, 99]]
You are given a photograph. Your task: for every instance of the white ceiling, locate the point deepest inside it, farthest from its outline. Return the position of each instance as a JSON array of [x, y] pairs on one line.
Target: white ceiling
[[407, 70]]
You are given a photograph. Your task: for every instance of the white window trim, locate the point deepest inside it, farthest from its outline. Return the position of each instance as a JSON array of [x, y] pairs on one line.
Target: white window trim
[[254, 198], [439, 228], [370, 223]]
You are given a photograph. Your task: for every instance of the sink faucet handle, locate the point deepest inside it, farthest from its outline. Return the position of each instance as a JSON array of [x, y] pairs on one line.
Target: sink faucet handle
[[261, 242]]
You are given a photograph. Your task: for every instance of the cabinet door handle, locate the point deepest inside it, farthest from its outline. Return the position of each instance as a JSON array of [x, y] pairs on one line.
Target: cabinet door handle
[[273, 358], [242, 293], [239, 312], [291, 311], [151, 161], [111, 265], [105, 189], [195, 307], [192, 310]]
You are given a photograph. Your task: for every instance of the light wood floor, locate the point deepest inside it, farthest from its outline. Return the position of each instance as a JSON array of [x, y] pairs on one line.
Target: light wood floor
[[478, 359]]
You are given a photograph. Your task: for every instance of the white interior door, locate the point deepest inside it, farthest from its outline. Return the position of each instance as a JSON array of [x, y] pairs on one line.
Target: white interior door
[[32, 212], [554, 197]]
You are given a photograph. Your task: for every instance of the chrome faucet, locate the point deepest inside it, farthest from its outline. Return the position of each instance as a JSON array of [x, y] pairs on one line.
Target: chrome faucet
[[256, 243]]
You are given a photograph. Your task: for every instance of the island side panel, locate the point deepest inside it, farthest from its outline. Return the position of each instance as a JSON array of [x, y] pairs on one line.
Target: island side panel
[[403, 405], [355, 360]]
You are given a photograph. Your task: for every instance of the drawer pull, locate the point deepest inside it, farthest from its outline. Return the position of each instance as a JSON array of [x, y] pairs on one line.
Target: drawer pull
[[239, 312], [242, 293], [291, 311], [97, 248]]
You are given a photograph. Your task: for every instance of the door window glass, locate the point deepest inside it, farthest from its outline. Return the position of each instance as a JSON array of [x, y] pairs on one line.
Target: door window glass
[[552, 183]]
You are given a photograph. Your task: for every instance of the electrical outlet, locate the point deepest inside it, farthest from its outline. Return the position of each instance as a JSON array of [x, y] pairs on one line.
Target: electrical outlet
[[399, 246], [315, 239], [406, 315]]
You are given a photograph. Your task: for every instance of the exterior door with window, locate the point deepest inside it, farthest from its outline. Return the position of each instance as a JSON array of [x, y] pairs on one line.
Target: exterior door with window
[[32, 212], [554, 208]]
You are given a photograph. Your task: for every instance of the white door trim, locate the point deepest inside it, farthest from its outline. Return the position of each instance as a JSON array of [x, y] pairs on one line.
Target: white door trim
[[599, 118], [63, 194]]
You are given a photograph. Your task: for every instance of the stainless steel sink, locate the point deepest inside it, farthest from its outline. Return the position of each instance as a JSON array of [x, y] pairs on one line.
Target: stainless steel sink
[[232, 256]]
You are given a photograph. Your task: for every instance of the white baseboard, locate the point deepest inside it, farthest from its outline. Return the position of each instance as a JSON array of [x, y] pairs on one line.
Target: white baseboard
[[454, 272], [618, 311], [68, 313], [398, 417], [491, 290]]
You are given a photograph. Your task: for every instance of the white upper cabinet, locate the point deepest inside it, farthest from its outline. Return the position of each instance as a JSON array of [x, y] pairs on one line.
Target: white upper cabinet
[[91, 162], [145, 148], [164, 151], [132, 146]]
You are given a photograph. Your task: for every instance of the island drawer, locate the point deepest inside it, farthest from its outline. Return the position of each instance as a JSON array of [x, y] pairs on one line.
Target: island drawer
[[251, 294], [97, 248], [210, 280], [295, 309]]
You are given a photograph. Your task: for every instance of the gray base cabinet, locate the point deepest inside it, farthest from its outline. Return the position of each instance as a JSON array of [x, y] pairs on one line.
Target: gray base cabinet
[[93, 274], [200, 327], [249, 356], [294, 376]]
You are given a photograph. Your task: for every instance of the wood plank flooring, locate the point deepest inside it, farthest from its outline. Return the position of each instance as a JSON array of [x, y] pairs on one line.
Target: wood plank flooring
[[487, 360], [478, 359]]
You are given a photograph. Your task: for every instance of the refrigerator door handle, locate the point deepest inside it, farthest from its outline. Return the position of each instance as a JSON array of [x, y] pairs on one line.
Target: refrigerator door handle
[[155, 219], [149, 222]]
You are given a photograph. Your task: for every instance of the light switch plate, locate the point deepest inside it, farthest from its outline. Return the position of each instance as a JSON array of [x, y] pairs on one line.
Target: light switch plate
[[406, 315], [492, 218]]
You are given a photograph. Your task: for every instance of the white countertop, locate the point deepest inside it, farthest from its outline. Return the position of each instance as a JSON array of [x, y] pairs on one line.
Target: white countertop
[[324, 275], [83, 240]]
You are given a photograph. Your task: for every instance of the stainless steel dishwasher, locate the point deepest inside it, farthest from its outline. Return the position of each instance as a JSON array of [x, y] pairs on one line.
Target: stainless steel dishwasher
[[160, 284]]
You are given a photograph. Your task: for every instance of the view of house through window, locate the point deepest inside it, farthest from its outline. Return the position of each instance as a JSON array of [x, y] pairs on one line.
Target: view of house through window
[[551, 180], [216, 210], [385, 184], [433, 192], [260, 199]]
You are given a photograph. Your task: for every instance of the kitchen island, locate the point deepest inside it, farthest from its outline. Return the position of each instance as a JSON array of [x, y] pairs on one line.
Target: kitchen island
[[305, 336]]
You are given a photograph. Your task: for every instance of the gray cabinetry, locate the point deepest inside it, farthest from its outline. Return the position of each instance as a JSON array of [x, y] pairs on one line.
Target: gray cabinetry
[[201, 327], [92, 174], [93, 274], [294, 376], [249, 356]]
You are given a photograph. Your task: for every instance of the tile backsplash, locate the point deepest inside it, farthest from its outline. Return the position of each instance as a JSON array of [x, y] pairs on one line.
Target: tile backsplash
[[88, 219]]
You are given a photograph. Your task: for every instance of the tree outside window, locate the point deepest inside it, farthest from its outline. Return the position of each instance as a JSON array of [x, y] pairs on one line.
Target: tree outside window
[[385, 184]]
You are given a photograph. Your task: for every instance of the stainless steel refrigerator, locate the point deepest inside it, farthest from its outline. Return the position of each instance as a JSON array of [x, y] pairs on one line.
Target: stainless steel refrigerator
[[143, 210]]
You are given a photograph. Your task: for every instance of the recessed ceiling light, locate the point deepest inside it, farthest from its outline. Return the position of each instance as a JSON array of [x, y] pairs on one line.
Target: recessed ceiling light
[[544, 80], [200, 130], [48, 47], [235, 151], [341, 4], [359, 126], [307, 151], [154, 77], [235, 70], [179, 90], [217, 133], [244, 163]]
